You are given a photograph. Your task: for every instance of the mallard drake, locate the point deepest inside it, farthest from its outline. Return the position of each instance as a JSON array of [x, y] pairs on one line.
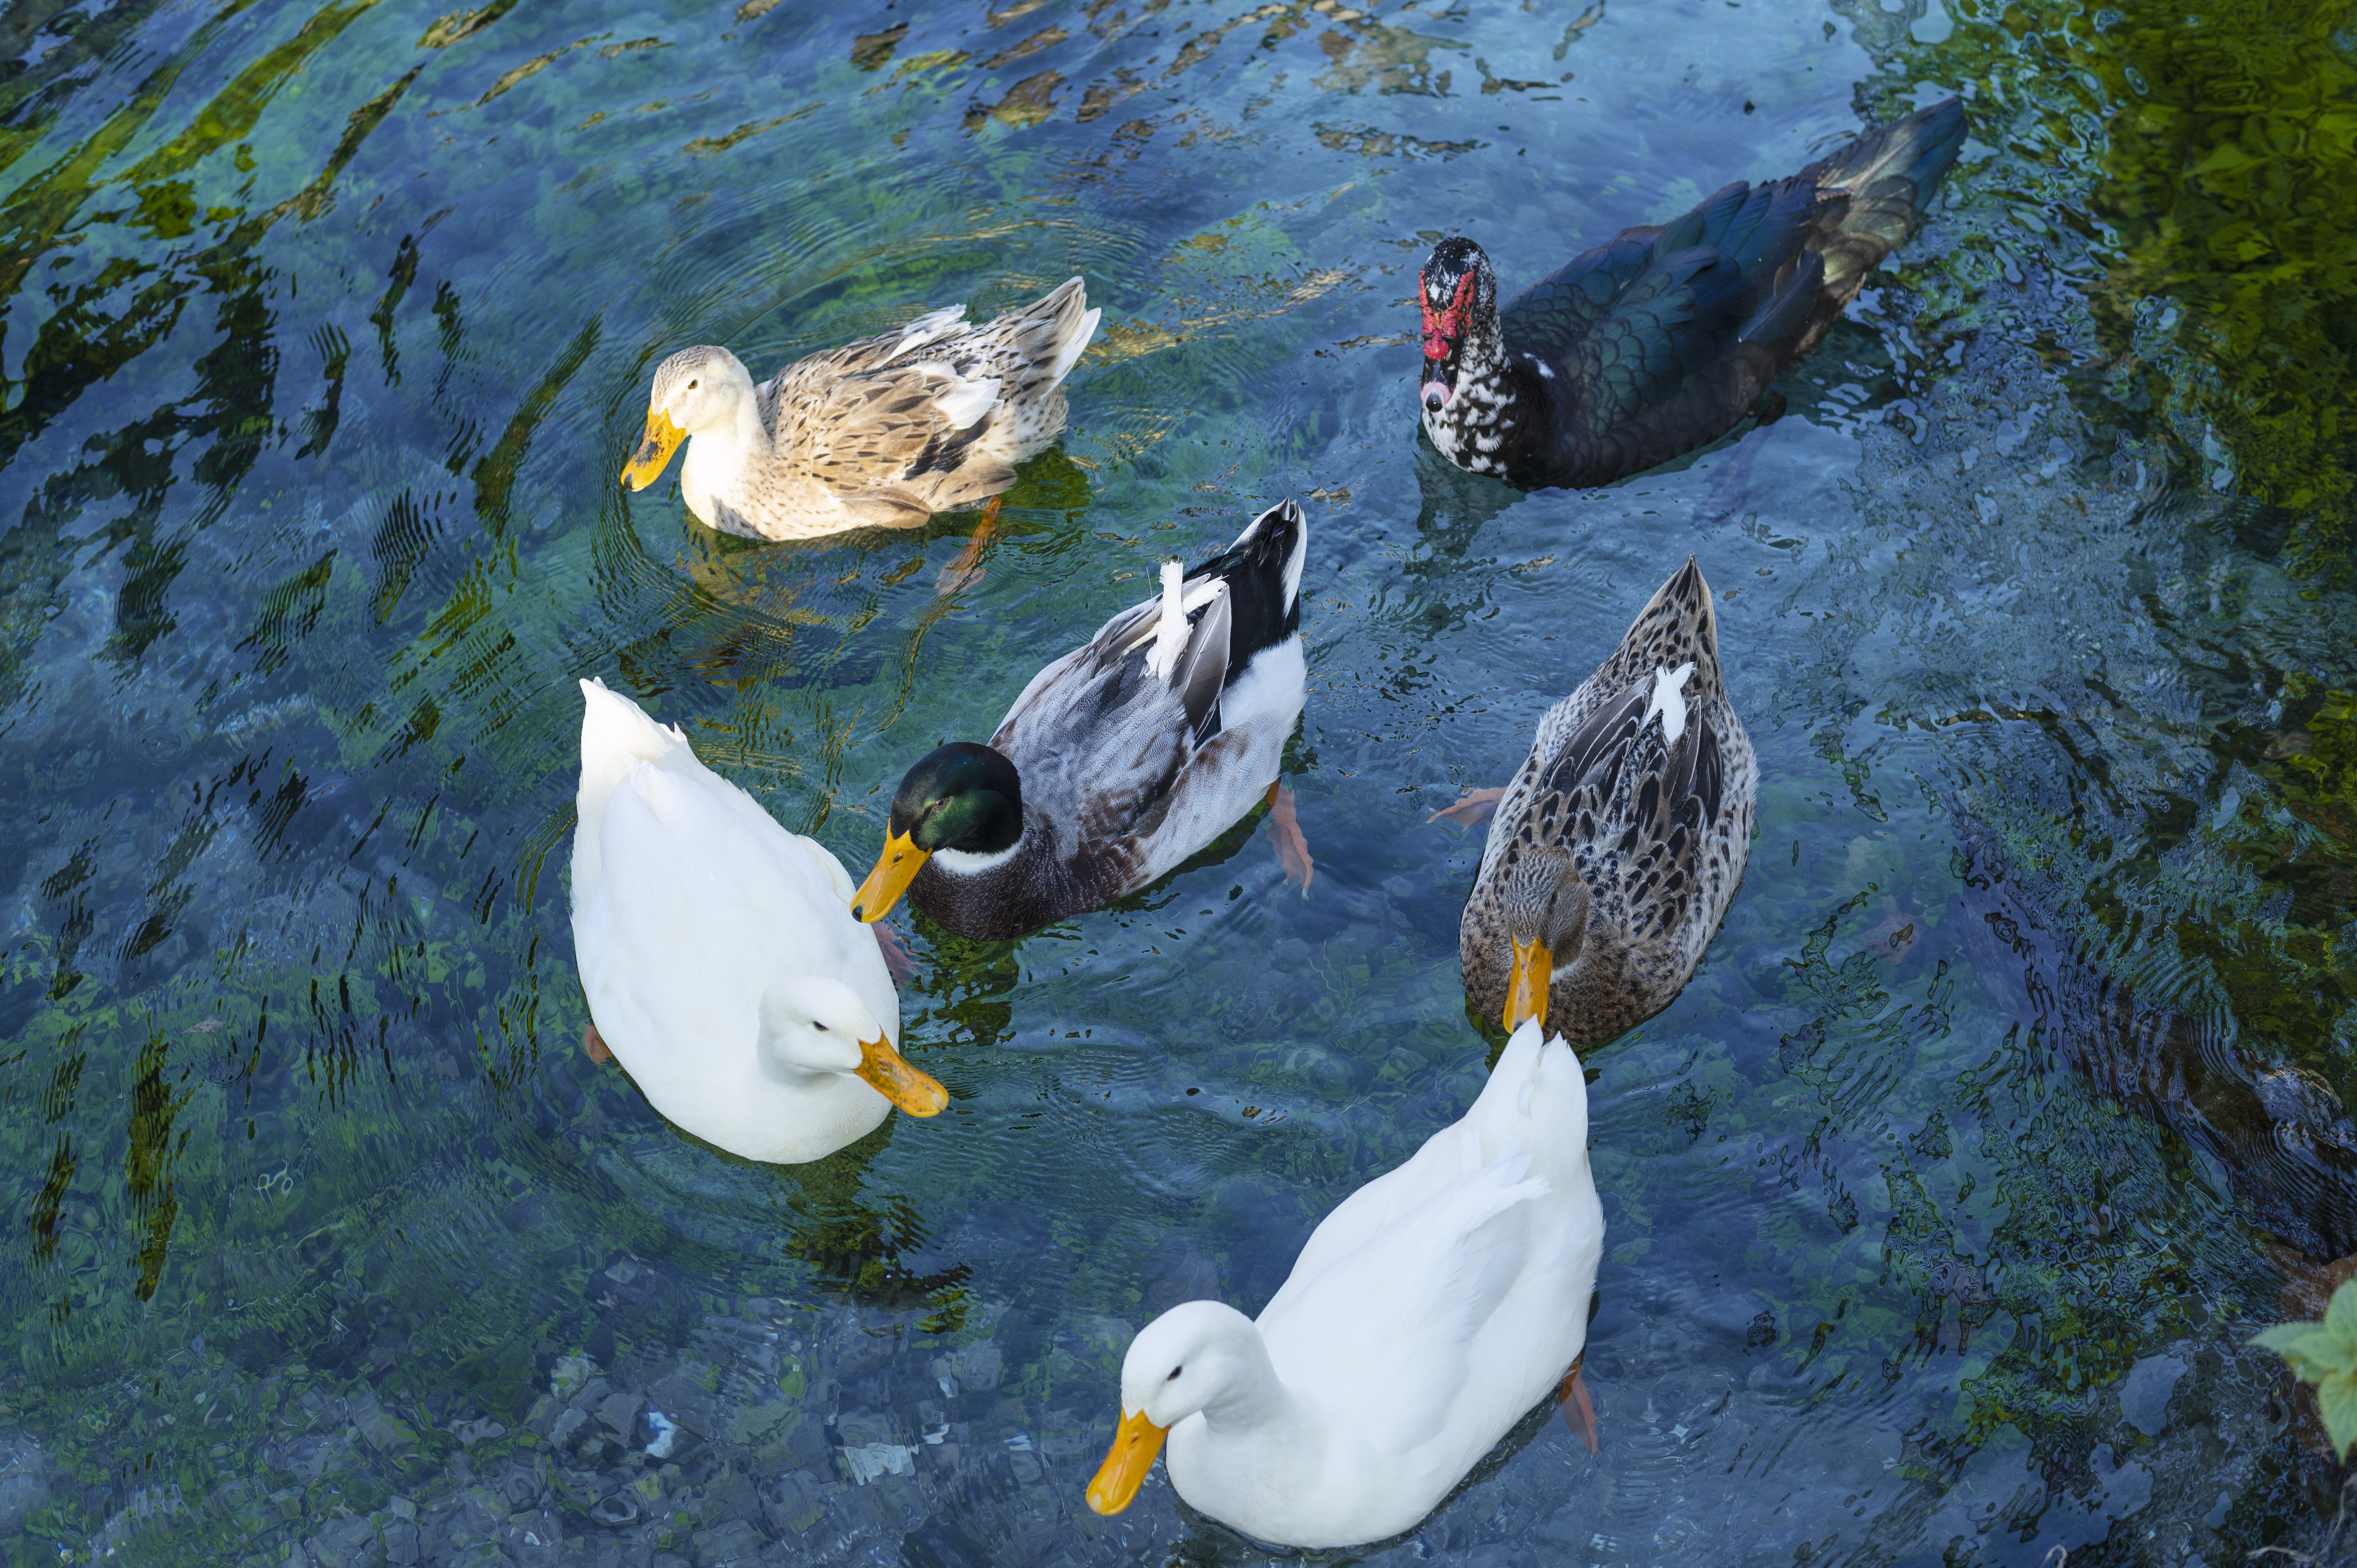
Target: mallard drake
[[879, 433], [1619, 843], [1120, 759], [1662, 337], [719, 956], [1425, 1316]]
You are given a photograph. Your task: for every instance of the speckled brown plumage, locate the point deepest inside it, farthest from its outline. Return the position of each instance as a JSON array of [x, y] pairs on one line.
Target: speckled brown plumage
[[1657, 830], [881, 433]]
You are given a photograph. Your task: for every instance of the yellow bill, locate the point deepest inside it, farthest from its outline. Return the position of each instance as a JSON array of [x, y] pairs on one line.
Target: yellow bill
[[661, 439], [894, 869], [891, 1076], [1526, 986], [1124, 1469]]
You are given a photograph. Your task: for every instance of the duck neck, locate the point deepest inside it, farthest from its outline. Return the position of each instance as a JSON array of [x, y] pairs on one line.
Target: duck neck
[[1484, 352], [1600, 995], [1256, 1412], [1001, 895], [720, 456], [1478, 418]]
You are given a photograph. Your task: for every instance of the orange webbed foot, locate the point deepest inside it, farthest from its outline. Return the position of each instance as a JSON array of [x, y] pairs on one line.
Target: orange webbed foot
[[1579, 1415], [967, 570], [1472, 809], [595, 1044], [1891, 939], [1284, 830], [896, 958]]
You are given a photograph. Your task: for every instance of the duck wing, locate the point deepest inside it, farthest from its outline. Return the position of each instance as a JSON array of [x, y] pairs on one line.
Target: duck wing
[[1497, 1125], [1659, 338], [896, 424], [1630, 771], [874, 434], [1100, 738], [1440, 1299], [1379, 1340]]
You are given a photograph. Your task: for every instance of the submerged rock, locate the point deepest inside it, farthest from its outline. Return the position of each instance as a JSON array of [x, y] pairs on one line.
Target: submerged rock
[[24, 1479]]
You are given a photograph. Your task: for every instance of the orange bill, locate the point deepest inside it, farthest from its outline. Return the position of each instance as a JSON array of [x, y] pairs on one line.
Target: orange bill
[[894, 869], [1124, 1469], [1526, 986], [661, 439], [891, 1076]]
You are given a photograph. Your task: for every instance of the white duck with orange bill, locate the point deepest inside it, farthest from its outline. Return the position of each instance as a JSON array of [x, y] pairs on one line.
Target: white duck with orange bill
[[719, 956], [1427, 1315]]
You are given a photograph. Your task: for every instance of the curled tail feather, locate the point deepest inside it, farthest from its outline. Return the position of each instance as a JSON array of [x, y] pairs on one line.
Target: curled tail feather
[[1052, 332], [1878, 189]]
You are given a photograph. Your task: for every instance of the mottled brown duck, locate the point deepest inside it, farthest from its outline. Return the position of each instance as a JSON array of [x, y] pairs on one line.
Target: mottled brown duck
[[879, 433], [1618, 844]]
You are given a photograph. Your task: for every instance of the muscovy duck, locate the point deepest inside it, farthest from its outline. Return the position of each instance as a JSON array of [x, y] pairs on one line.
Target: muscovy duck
[[1660, 339]]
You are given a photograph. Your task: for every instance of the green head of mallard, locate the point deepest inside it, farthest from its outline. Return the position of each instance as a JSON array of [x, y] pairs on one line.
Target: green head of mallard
[[964, 798], [1546, 922]]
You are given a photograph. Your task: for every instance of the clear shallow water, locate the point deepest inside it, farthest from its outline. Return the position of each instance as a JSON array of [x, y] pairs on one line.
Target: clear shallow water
[[323, 350]]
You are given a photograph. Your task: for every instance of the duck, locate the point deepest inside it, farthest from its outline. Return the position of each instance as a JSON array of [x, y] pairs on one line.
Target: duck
[[718, 954], [1427, 1314], [1120, 759], [882, 432], [1663, 338], [1619, 845]]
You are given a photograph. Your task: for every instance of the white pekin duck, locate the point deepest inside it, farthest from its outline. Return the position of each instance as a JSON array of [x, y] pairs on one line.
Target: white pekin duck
[[719, 956], [1432, 1310], [879, 433], [1120, 759]]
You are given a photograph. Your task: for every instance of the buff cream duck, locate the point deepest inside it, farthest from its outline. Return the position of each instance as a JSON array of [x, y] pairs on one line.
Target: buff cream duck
[[879, 433], [1661, 339], [1617, 848], [1427, 1315], [719, 957], [1120, 759]]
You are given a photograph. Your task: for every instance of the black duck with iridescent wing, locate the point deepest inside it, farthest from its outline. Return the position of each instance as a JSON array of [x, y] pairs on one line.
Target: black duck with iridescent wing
[[1620, 844], [1120, 759], [1661, 339]]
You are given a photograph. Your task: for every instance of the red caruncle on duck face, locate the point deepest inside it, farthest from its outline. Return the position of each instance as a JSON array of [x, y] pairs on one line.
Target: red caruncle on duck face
[[1443, 327]]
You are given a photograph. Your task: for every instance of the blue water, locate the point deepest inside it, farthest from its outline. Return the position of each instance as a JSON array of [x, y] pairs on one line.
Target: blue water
[[323, 352]]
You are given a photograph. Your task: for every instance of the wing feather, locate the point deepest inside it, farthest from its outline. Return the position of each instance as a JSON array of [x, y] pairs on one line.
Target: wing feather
[[1111, 742], [1203, 670], [1597, 743], [1430, 1279], [863, 430], [1638, 323]]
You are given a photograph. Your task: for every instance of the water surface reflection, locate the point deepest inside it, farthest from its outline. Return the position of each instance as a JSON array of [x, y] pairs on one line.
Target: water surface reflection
[[324, 331]]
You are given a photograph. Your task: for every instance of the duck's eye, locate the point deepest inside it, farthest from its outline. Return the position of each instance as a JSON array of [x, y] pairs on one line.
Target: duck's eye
[[691, 386], [819, 1027], [1174, 1374]]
